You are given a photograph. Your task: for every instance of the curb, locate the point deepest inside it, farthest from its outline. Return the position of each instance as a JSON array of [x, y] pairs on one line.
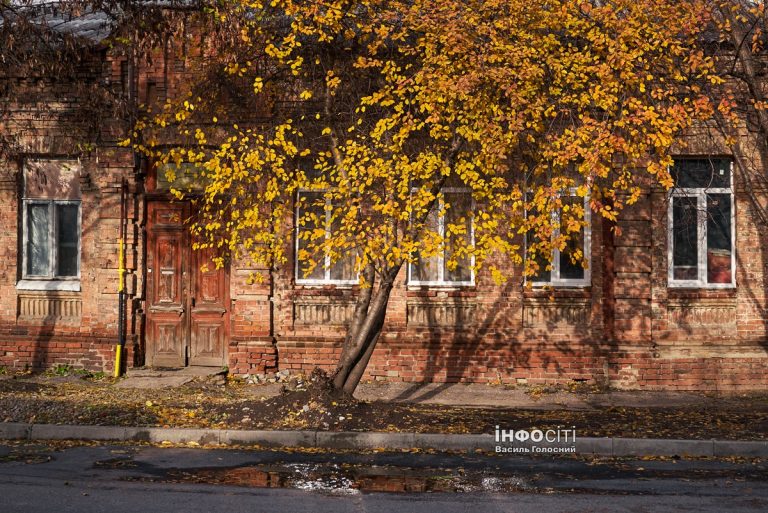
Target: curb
[[354, 440]]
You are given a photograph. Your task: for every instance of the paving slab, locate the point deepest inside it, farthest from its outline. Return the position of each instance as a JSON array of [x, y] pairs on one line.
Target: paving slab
[[150, 382], [166, 378], [489, 396]]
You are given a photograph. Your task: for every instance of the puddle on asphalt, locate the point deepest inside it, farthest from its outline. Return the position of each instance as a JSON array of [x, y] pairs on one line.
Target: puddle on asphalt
[[344, 479]]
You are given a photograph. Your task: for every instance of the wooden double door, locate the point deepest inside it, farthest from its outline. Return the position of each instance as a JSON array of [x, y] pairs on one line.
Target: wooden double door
[[187, 309]]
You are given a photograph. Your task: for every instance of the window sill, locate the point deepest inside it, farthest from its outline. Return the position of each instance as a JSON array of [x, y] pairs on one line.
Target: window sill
[[701, 286], [327, 284], [560, 286], [54, 285], [442, 285]]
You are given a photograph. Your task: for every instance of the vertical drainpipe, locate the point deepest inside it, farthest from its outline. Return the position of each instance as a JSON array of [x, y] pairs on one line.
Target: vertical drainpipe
[[120, 349], [132, 86]]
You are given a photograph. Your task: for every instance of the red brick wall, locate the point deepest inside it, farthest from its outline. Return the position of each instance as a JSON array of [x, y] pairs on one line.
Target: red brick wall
[[627, 330], [653, 338], [86, 335]]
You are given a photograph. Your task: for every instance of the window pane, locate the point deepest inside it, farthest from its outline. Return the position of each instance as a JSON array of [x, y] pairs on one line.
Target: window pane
[[702, 173], [68, 234], [719, 238], [344, 268], [311, 215], [685, 255], [427, 268], [571, 269], [459, 217], [544, 275], [38, 247]]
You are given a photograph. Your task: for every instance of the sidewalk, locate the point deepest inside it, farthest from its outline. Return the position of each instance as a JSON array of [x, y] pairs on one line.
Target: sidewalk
[[194, 408], [470, 395]]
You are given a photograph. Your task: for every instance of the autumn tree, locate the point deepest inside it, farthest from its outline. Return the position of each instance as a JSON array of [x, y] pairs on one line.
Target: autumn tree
[[737, 42], [409, 129]]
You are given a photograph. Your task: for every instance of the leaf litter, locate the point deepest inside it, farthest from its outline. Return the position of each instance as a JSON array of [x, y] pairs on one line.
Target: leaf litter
[[313, 405]]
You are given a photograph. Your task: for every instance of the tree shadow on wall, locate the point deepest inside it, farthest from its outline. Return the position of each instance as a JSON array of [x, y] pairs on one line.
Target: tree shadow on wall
[[502, 340]]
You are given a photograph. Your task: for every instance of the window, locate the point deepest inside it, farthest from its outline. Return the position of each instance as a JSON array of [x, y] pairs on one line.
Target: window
[[52, 239], [50, 225], [311, 207], [563, 270], [701, 218], [445, 268]]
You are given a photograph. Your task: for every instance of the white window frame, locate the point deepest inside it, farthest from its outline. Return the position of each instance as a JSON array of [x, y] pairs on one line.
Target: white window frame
[[441, 281], [554, 274], [700, 193], [327, 264], [52, 238]]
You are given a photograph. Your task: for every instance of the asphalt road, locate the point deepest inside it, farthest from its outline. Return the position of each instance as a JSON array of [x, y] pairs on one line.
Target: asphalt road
[[115, 479]]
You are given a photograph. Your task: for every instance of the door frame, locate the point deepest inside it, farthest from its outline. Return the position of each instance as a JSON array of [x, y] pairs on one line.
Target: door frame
[[157, 317]]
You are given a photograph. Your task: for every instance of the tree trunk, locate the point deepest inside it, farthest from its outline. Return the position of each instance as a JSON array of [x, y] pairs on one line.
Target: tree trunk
[[349, 349], [371, 310], [364, 330], [377, 314]]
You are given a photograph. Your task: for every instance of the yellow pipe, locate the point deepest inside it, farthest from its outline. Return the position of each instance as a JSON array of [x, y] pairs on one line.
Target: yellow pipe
[[118, 359], [121, 273], [121, 266]]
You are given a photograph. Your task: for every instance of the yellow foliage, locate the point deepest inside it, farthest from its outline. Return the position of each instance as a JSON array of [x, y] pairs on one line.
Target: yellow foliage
[[467, 123]]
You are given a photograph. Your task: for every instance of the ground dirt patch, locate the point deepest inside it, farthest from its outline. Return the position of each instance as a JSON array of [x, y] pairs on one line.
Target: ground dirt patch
[[308, 404]]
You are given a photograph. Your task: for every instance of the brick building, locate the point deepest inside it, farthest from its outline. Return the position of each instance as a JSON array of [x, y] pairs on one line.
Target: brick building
[[676, 301]]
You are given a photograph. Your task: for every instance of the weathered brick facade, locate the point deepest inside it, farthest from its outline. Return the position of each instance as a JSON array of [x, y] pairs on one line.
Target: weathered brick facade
[[627, 329], [40, 328]]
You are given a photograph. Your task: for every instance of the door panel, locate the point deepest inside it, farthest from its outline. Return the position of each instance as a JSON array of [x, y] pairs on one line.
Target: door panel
[[166, 319], [210, 319]]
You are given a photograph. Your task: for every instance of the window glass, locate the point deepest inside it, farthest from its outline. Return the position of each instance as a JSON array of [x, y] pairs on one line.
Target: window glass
[[684, 221], [313, 214], [458, 229], [702, 173], [38, 247], [449, 266], [566, 267], [310, 214], [343, 268], [543, 274], [427, 268], [67, 243], [718, 238], [570, 267]]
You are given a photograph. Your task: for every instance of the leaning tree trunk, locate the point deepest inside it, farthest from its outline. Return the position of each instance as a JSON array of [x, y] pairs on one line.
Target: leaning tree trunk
[[364, 329]]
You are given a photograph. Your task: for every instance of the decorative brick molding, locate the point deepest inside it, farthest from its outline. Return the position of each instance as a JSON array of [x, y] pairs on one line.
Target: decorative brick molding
[[677, 350], [702, 311], [434, 314], [570, 311], [322, 311], [50, 307]]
